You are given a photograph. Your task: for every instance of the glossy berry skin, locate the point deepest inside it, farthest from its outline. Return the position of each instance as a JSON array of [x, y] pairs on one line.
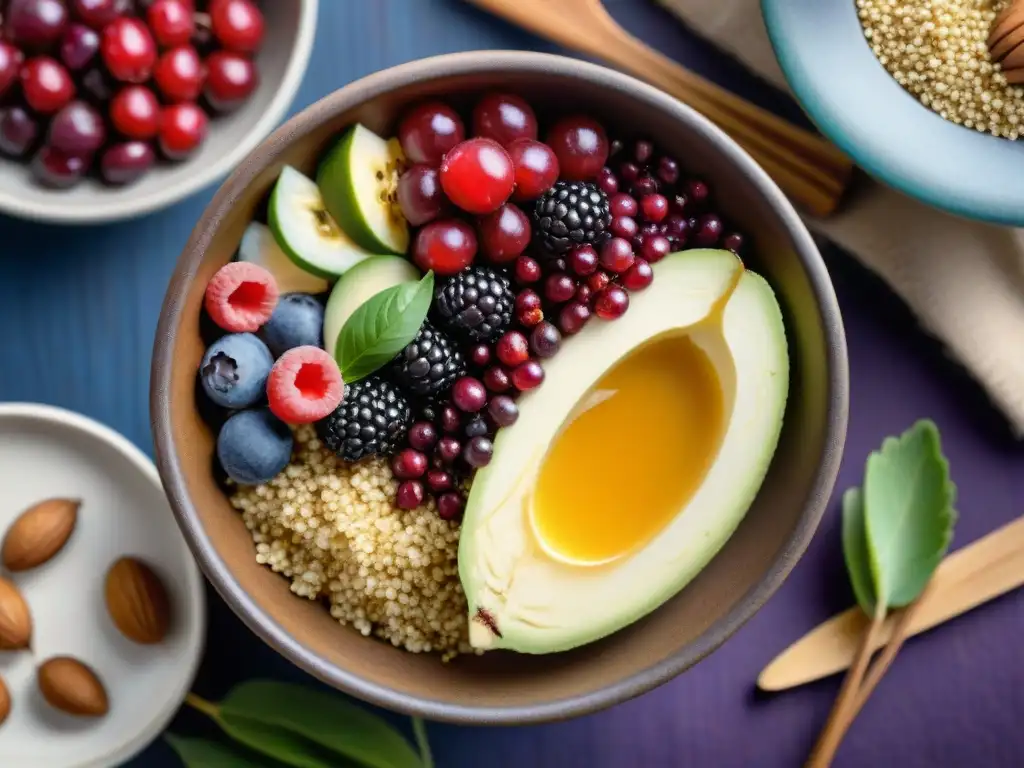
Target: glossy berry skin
[[480, 355], [58, 170], [503, 410], [528, 308], [527, 270], [709, 230], [469, 395], [573, 317], [581, 145], [18, 131], [439, 481], [451, 420], [597, 281], [127, 162], [654, 207], [230, 80], [583, 260], [77, 129], [179, 74], [583, 294], [11, 60], [497, 380], [643, 151], [607, 181], [697, 191], [422, 436], [171, 22], [237, 24], [536, 168], [512, 349], [46, 85], [478, 452], [617, 255], [135, 112], [477, 427], [611, 303], [624, 227], [410, 494], [733, 242], [545, 340], [254, 446], [639, 276], [35, 24], [504, 117], [419, 194], [623, 205], [96, 13], [305, 386], [477, 176], [429, 131], [448, 449], [559, 287], [182, 130], [446, 246], [527, 376], [78, 47], [668, 170], [450, 506], [128, 50], [655, 248], [409, 464], [504, 234]]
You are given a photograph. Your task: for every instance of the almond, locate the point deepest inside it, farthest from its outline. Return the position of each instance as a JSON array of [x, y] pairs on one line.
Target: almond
[[72, 687], [5, 702], [15, 619], [39, 533], [137, 601]]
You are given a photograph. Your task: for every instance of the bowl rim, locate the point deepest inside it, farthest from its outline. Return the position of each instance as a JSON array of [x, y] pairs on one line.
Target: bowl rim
[[129, 206], [262, 624]]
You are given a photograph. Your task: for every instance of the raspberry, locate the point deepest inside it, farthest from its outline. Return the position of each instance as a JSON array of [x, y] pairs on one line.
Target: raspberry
[[241, 297], [304, 386]]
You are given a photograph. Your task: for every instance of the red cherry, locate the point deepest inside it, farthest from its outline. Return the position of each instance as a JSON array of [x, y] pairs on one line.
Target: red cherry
[[611, 303], [10, 65], [172, 22], [429, 131], [512, 348], [96, 13], [655, 207], [46, 85], [179, 74], [477, 175], [536, 168], [135, 112], [655, 248], [583, 260], [528, 376], [128, 50], [238, 24], [446, 246], [504, 234], [581, 146], [182, 129], [639, 276], [617, 255], [230, 80], [504, 117]]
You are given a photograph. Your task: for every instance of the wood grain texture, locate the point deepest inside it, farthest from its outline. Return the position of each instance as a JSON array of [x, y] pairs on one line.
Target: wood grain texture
[[79, 308]]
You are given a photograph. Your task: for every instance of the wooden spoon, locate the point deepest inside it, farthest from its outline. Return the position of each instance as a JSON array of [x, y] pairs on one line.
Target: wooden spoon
[[807, 168]]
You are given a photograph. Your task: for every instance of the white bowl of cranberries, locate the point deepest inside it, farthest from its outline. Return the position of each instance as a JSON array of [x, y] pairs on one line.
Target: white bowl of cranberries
[[110, 109]]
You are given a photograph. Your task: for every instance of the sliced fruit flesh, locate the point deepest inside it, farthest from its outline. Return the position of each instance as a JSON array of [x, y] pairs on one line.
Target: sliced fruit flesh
[[259, 246]]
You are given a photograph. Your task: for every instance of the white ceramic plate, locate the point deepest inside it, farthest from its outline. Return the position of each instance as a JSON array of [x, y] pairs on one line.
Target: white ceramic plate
[[47, 452]]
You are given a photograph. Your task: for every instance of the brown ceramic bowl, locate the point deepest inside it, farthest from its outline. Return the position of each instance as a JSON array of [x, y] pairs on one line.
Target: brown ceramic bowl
[[502, 687]]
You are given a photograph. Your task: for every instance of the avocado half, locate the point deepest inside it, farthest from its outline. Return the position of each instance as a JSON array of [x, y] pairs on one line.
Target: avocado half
[[524, 600]]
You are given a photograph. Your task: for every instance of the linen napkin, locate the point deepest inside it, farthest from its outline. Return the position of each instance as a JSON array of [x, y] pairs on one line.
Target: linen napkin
[[964, 280]]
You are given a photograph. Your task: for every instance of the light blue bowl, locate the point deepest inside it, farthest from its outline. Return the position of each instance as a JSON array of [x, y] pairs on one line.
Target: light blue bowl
[[853, 100]]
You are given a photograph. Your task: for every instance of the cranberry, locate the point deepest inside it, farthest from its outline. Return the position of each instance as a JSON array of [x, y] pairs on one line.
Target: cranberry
[[419, 194], [135, 112], [655, 207], [655, 249], [503, 410], [171, 21], [46, 85], [617, 255], [128, 50], [512, 348], [583, 260], [469, 394], [536, 168], [581, 146], [410, 494], [478, 452], [597, 281], [528, 308], [451, 420], [678, 228], [480, 355], [639, 276], [611, 303], [77, 129], [629, 172], [624, 227], [18, 131], [237, 24], [504, 234], [179, 74], [733, 242], [35, 24], [623, 205], [439, 481], [645, 186], [559, 287], [10, 65], [448, 449], [527, 270], [573, 317], [668, 170], [124, 163], [79, 46], [53, 168], [527, 376], [709, 230], [182, 129], [450, 505], [429, 131], [477, 175], [230, 80], [408, 464], [697, 191], [643, 151], [607, 182], [422, 436], [545, 340], [504, 117], [496, 379], [96, 13], [447, 246]]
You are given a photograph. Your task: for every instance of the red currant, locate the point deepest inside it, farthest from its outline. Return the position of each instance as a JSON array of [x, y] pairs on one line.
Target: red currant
[[419, 194], [448, 449], [480, 355], [469, 394], [611, 303], [439, 481], [581, 146], [559, 287], [504, 117], [527, 270], [446, 246], [409, 464], [607, 182], [504, 234], [655, 248], [410, 494], [583, 260], [46, 85], [573, 317], [422, 435], [597, 281], [528, 308], [655, 207], [624, 227], [639, 276], [172, 22], [135, 112], [230, 80], [527, 376], [128, 50], [96, 13], [450, 506], [668, 170], [179, 74], [512, 348], [583, 294], [497, 380], [237, 24], [623, 205], [709, 230], [10, 65], [451, 421], [536, 168], [617, 255], [733, 242], [429, 131], [477, 175], [545, 340], [182, 129], [697, 191]]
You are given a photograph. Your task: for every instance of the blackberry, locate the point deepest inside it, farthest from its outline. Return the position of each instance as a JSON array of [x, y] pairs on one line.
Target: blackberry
[[571, 213], [476, 304], [429, 364], [373, 419]]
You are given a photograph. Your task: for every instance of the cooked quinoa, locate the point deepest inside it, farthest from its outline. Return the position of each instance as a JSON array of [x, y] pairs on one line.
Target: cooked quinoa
[[333, 529], [938, 51]]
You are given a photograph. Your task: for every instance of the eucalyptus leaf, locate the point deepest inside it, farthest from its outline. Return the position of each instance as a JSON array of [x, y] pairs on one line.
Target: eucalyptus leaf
[[295, 714], [855, 550], [200, 753], [908, 511], [381, 327]]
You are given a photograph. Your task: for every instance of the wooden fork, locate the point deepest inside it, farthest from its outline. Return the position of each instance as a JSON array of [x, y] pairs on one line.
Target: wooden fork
[[807, 168]]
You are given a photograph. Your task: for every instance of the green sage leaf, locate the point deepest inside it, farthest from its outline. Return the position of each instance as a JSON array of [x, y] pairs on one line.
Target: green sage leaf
[[908, 512], [855, 550], [381, 327], [200, 753], [304, 727]]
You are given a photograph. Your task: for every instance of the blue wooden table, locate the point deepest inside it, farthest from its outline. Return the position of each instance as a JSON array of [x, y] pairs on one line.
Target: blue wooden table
[[79, 308]]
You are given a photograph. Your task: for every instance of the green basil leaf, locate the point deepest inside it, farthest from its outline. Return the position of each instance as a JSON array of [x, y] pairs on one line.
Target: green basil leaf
[[855, 550], [278, 719], [381, 327], [200, 753], [908, 511]]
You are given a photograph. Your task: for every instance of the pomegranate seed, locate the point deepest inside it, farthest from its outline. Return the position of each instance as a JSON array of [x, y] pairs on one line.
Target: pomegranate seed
[[639, 276], [617, 255], [527, 376], [573, 317], [668, 170], [611, 303], [497, 380], [583, 294], [528, 308], [527, 270], [512, 349]]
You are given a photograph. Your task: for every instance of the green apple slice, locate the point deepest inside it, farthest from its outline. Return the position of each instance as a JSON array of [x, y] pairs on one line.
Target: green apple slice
[[306, 232], [259, 246], [359, 182]]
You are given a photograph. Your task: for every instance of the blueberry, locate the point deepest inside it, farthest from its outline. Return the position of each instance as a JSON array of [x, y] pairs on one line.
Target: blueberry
[[298, 321], [234, 370], [254, 446]]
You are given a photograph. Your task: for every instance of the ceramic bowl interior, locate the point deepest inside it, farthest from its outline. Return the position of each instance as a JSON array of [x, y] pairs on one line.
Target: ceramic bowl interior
[[290, 30], [504, 687], [854, 101]]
